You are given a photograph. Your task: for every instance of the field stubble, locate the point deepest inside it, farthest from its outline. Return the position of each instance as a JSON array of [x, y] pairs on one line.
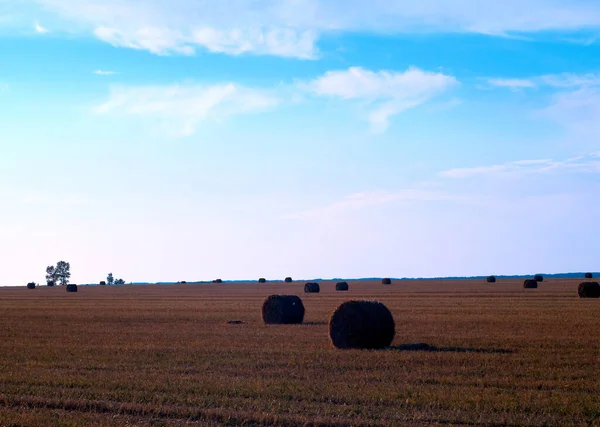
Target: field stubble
[[496, 354]]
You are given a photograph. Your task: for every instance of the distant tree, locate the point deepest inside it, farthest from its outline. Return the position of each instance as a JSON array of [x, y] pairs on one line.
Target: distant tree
[[119, 282], [110, 280], [50, 275], [63, 272]]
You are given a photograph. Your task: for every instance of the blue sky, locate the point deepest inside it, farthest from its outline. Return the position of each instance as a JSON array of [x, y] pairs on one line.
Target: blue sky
[[189, 140]]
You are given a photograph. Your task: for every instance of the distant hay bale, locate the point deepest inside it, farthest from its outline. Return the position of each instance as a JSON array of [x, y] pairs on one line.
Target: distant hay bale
[[262, 280], [50, 283], [386, 281], [71, 288], [103, 283], [283, 310], [588, 275], [31, 285], [312, 287], [538, 278], [589, 290], [491, 279], [288, 280], [530, 284], [217, 281], [362, 324], [341, 286]]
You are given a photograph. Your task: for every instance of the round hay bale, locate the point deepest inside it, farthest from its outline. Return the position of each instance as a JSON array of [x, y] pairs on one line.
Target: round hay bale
[[588, 275], [71, 288], [51, 283], [288, 280], [530, 284], [217, 281], [103, 283], [589, 290], [491, 279], [262, 280], [31, 285], [386, 281], [283, 310], [312, 287], [362, 324], [538, 278], [341, 286]]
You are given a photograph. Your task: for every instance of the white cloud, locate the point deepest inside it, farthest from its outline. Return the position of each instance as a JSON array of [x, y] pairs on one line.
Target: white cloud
[[39, 29], [358, 201], [580, 164], [105, 72], [389, 92], [186, 105], [290, 28], [512, 83]]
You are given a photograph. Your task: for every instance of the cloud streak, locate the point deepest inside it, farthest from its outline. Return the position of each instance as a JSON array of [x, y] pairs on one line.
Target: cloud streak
[[581, 164], [186, 105], [292, 28], [388, 93]]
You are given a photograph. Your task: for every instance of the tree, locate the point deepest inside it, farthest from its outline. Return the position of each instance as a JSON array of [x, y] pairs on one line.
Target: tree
[[50, 275], [119, 282], [110, 280], [63, 272]]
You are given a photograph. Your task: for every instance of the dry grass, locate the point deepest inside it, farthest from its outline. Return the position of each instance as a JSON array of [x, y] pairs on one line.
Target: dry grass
[[164, 355]]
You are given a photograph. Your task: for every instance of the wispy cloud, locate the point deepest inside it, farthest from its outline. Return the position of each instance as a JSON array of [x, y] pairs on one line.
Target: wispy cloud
[[105, 72], [387, 92], [557, 81], [187, 105], [291, 28], [358, 201], [512, 83], [580, 164], [39, 29]]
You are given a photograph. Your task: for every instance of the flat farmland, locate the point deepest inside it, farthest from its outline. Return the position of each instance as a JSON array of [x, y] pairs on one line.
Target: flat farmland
[[494, 354]]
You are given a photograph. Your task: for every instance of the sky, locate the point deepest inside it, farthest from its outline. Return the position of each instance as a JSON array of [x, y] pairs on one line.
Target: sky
[[174, 140]]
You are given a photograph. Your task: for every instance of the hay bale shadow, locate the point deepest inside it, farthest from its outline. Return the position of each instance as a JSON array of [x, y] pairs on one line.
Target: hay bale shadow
[[235, 322], [436, 349], [314, 323]]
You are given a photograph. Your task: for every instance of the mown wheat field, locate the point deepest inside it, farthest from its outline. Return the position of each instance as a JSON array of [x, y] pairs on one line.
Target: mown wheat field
[[165, 355]]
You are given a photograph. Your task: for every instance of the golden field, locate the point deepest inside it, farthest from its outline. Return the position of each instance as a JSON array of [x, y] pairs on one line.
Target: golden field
[[165, 355]]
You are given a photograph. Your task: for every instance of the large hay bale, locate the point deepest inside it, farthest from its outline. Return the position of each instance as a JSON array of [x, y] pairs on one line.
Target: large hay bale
[[72, 288], [362, 324], [386, 281], [312, 287], [538, 278], [283, 310], [288, 280], [218, 281], [262, 280], [31, 285], [530, 284], [341, 286], [589, 290], [50, 283], [589, 275], [102, 283], [491, 279]]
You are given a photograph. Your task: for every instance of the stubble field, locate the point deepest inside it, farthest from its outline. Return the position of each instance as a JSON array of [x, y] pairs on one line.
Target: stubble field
[[496, 355]]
